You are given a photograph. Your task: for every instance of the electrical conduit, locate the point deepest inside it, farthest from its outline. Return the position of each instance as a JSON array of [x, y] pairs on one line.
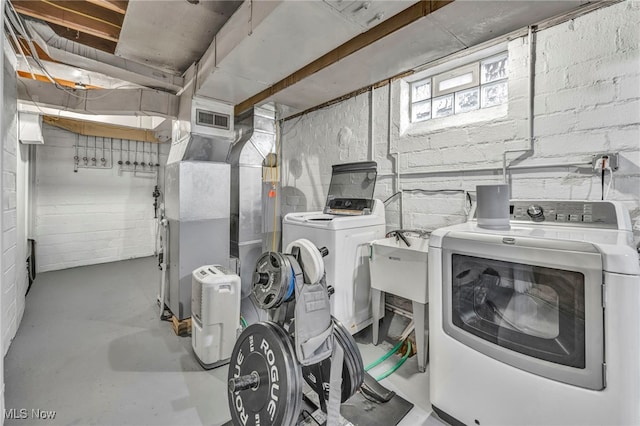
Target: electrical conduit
[[395, 155], [529, 151]]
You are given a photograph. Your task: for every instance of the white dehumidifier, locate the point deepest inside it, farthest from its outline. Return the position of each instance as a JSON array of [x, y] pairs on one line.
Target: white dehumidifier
[[215, 314]]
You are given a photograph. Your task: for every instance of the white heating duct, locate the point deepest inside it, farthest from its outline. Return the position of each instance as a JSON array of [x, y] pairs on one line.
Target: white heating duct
[[105, 102]]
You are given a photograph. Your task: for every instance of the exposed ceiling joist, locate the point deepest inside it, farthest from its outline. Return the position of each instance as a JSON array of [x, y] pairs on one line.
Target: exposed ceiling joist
[[26, 48], [86, 39], [80, 16], [60, 81], [66, 51], [411, 14], [90, 128], [115, 5]]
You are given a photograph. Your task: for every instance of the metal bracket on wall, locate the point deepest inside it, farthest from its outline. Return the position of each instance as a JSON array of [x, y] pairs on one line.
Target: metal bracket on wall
[[610, 158]]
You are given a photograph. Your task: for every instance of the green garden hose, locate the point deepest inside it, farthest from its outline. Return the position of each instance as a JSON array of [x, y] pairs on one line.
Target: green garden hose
[[384, 357], [398, 365]]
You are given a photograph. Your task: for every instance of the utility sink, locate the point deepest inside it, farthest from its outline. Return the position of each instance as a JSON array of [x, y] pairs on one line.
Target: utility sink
[[400, 269], [398, 265]]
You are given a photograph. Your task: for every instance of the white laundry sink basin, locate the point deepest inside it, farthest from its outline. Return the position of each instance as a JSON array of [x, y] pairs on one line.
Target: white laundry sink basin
[[400, 269]]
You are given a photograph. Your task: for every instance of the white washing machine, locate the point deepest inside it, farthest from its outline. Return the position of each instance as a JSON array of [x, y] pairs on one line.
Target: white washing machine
[[350, 221], [347, 265], [538, 324]]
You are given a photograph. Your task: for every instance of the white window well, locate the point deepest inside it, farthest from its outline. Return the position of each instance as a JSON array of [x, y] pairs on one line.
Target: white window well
[[477, 85]]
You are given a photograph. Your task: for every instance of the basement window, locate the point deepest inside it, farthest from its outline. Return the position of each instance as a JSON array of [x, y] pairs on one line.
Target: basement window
[[477, 85]]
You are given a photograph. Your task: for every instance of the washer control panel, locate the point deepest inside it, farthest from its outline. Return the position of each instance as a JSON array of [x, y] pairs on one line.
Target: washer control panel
[[600, 214]]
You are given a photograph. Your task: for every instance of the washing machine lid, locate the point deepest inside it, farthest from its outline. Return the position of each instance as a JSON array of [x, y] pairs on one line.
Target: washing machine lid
[[351, 188], [321, 220]]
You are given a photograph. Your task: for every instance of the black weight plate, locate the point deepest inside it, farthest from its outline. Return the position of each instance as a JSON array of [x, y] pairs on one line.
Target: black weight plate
[[264, 348], [352, 369], [353, 353], [273, 292], [295, 390]]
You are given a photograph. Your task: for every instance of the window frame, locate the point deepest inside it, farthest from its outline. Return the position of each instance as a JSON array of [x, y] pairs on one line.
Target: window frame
[[472, 64]]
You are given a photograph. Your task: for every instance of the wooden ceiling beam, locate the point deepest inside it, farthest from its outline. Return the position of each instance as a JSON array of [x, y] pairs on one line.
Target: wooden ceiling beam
[[27, 50], [57, 13], [97, 13], [60, 81], [92, 128], [84, 38], [115, 5], [411, 14]]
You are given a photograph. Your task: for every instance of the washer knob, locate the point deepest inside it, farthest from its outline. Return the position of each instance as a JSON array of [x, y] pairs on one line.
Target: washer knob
[[536, 213]]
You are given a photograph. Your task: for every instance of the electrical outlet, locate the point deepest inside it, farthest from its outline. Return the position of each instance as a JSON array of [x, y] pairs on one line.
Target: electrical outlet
[[610, 158]]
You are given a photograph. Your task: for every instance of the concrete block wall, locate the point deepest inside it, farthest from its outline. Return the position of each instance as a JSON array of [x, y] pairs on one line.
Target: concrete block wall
[[3, 135], [14, 272], [587, 101], [94, 215]]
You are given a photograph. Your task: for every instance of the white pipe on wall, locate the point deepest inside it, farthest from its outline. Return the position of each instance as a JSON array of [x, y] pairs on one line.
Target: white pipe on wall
[[32, 205], [372, 146], [103, 164], [583, 163], [395, 155], [505, 165], [532, 71]]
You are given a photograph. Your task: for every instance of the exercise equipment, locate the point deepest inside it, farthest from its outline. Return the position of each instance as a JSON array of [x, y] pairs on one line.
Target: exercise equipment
[[317, 375], [271, 360], [273, 280], [265, 381]]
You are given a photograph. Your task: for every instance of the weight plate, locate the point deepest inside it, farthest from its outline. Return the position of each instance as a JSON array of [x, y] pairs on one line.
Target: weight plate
[[265, 380], [295, 396], [318, 375], [351, 348], [312, 262], [352, 355], [273, 280]]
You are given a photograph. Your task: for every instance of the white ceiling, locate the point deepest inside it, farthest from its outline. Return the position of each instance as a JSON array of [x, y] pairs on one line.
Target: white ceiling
[[286, 37], [265, 41], [450, 29]]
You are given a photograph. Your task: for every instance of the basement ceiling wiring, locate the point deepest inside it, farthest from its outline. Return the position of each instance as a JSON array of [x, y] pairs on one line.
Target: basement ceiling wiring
[[16, 25]]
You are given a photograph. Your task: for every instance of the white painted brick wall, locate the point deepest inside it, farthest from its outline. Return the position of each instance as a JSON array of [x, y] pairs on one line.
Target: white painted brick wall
[[3, 135], [14, 274], [94, 215], [587, 101]]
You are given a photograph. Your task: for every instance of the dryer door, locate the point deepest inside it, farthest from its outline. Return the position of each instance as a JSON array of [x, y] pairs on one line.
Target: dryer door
[[535, 304]]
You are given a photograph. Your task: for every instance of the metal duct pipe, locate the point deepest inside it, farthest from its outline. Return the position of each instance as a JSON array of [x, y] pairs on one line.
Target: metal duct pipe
[[88, 58], [255, 130], [108, 102]]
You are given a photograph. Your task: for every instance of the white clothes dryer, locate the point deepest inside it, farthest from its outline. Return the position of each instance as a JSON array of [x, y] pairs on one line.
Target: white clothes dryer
[[347, 265], [538, 324]]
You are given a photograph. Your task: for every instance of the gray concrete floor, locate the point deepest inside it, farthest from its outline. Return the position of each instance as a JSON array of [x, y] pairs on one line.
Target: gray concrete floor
[[92, 348]]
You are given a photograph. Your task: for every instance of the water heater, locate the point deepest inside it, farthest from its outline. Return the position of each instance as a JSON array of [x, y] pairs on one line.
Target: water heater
[[215, 309]]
